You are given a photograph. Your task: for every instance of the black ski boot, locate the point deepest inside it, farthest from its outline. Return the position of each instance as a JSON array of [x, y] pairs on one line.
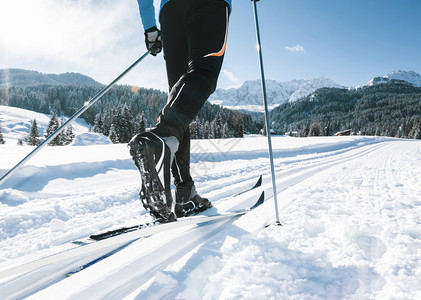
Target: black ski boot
[[188, 202], [153, 157]]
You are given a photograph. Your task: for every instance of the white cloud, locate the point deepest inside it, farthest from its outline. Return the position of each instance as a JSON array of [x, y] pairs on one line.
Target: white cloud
[[228, 80], [230, 76], [295, 49], [96, 38], [62, 29]]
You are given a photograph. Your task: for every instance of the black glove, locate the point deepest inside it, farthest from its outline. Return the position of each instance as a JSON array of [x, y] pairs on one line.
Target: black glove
[[153, 40]]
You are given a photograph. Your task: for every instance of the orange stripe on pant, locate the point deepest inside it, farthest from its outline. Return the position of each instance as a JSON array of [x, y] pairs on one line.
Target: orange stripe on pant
[[222, 51]]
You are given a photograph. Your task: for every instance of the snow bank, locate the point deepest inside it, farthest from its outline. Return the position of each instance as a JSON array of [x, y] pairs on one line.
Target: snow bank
[[91, 138], [12, 197], [16, 123]]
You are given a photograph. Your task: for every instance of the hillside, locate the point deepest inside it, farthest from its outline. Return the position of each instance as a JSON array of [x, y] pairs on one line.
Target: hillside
[[388, 109], [386, 106], [129, 109], [19, 77], [16, 123]]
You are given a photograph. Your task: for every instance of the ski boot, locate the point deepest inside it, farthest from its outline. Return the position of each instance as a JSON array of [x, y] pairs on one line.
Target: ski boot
[[188, 202], [153, 156]]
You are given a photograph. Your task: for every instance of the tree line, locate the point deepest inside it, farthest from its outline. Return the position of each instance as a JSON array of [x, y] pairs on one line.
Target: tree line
[[390, 109], [124, 110]]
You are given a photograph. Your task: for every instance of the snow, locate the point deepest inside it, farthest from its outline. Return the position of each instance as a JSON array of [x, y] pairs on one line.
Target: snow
[[16, 123], [350, 209], [409, 76], [249, 95], [12, 197], [91, 138]]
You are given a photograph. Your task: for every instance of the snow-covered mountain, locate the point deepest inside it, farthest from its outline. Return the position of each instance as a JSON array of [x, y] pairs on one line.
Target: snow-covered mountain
[[249, 95], [409, 76]]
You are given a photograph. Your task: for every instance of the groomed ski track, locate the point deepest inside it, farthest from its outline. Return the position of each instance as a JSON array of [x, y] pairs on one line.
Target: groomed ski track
[[100, 192]]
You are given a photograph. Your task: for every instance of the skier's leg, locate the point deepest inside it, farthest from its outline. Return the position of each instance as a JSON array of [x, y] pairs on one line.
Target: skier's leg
[[205, 31], [206, 26], [181, 164], [176, 59], [147, 148], [176, 54], [174, 39]]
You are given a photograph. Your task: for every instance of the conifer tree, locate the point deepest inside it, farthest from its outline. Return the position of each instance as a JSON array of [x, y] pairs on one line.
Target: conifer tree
[[305, 129], [226, 132], [316, 129], [113, 135], [195, 130], [2, 141], [212, 131], [328, 128], [98, 124], [206, 131], [237, 124], [200, 129], [53, 125], [32, 138], [124, 124], [140, 123], [68, 135], [217, 126], [107, 119]]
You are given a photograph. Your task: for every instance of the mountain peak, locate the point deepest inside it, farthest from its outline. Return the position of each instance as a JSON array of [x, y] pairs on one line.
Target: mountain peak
[[249, 95], [409, 76]]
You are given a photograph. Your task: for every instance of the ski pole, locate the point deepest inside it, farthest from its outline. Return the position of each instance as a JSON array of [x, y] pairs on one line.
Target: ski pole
[[71, 119], [265, 102]]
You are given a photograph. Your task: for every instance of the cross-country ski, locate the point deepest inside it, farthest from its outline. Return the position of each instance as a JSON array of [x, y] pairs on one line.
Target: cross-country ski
[[114, 232], [117, 239]]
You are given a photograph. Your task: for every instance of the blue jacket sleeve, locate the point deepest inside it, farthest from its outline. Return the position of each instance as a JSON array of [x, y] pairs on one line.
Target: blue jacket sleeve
[[147, 13]]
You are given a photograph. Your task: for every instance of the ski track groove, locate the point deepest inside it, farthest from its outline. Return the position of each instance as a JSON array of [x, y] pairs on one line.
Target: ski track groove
[[283, 168], [119, 289], [285, 179], [289, 178], [306, 172]]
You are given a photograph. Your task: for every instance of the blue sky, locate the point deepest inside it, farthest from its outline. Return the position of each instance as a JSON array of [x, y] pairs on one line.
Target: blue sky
[[347, 41]]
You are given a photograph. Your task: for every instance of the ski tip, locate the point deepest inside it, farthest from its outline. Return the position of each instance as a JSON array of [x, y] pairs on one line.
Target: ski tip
[[258, 183], [260, 201]]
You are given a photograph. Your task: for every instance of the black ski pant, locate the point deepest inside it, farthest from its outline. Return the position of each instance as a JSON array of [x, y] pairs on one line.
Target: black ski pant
[[194, 35]]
